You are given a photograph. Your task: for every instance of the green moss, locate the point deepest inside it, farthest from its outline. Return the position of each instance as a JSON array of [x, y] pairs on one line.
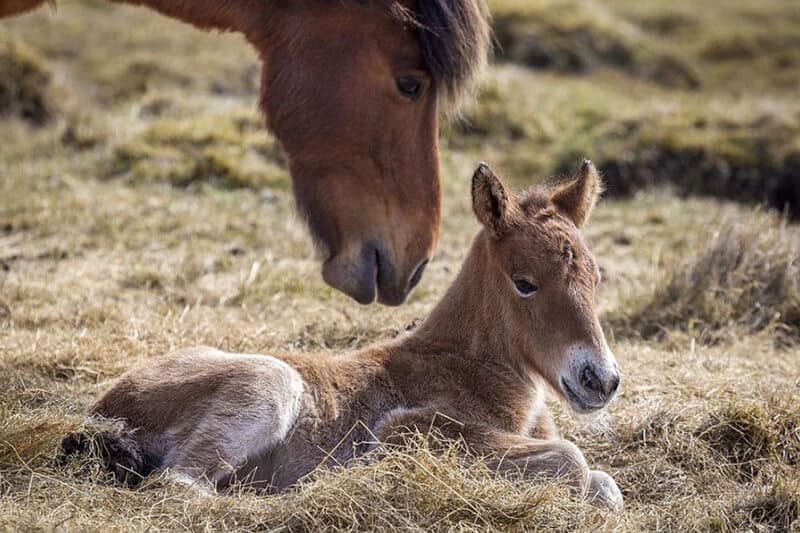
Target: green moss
[[226, 151], [127, 79]]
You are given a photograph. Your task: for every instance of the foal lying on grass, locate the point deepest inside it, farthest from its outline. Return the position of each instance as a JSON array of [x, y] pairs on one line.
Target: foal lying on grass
[[520, 315]]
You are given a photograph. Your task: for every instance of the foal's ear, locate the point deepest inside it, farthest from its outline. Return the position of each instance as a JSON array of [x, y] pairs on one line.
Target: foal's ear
[[576, 199], [491, 202]]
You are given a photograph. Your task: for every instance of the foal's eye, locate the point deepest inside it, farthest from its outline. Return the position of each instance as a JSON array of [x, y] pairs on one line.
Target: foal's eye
[[409, 87], [524, 287]]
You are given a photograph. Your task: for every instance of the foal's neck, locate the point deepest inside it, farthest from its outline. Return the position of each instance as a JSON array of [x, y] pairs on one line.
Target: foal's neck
[[468, 320]]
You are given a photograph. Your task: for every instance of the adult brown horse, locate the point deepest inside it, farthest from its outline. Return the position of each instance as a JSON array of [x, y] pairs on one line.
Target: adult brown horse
[[352, 90]]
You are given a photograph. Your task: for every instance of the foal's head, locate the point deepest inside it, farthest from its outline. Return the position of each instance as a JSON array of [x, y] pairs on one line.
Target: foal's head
[[351, 90], [544, 281]]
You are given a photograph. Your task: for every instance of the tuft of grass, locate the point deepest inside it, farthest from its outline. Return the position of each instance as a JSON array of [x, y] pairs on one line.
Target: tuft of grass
[[24, 81], [776, 509], [750, 436], [744, 449], [747, 278]]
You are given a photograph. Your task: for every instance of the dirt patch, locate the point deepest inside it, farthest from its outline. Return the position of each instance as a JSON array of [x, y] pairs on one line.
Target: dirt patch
[[698, 170]]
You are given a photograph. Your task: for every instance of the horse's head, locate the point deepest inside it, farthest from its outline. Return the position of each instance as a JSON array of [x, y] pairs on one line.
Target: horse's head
[[545, 280], [351, 91]]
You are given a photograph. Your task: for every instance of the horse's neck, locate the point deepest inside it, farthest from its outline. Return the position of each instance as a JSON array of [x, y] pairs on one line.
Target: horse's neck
[[248, 17]]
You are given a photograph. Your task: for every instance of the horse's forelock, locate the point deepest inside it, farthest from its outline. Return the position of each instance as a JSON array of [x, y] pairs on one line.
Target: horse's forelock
[[455, 37]]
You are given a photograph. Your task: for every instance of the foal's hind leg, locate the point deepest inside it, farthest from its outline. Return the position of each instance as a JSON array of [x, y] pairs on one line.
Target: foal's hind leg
[[13, 7], [231, 433]]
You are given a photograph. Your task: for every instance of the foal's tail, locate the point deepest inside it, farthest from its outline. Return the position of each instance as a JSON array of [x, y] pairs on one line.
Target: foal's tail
[[114, 445]]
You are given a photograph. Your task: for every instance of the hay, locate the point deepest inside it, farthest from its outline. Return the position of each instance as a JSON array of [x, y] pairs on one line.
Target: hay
[[746, 279]]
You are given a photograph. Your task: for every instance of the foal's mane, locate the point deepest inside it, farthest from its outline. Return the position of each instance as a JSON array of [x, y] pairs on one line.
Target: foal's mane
[[455, 37]]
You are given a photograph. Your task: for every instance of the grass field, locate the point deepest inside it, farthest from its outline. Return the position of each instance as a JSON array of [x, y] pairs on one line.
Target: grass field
[[143, 208]]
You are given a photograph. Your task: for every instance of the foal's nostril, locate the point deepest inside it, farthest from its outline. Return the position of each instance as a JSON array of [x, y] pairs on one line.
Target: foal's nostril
[[417, 275], [589, 380]]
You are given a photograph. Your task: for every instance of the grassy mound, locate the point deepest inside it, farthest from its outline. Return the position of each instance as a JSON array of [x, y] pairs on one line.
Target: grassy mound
[[580, 36], [228, 151], [676, 45], [739, 149], [753, 158], [24, 81], [128, 79], [746, 279]]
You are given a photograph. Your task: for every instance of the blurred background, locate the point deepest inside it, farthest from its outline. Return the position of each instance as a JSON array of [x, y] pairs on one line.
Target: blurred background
[[143, 207], [702, 98]]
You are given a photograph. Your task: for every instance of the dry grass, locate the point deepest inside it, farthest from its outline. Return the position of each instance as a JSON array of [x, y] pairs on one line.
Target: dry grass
[[150, 212], [24, 81], [745, 280]]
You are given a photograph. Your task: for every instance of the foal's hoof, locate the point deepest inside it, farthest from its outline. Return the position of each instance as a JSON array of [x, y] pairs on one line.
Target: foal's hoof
[[604, 490]]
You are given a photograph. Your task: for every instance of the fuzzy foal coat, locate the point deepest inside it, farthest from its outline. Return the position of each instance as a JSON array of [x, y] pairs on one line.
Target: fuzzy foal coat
[[269, 420]]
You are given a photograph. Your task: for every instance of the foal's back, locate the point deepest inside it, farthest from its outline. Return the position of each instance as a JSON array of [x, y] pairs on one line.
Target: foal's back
[[187, 405], [276, 417]]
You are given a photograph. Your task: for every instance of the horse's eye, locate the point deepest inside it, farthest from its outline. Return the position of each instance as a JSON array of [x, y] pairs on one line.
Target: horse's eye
[[524, 287], [409, 87]]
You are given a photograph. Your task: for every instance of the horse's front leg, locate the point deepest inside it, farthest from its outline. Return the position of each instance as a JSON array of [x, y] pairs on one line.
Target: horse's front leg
[[509, 453]]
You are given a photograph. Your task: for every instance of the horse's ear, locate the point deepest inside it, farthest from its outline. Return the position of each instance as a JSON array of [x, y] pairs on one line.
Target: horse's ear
[[577, 198], [491, 202]]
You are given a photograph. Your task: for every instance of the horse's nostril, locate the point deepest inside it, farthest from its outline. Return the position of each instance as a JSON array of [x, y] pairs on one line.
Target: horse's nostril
[[614, 385], [417, 275], [589, 379]]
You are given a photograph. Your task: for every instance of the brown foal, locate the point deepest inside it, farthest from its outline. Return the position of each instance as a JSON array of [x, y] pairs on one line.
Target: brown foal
[[519, 317]]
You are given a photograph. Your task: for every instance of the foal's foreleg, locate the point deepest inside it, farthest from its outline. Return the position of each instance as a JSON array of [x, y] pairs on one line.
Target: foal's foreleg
[[14, 7], [555, 458], [508, 452]]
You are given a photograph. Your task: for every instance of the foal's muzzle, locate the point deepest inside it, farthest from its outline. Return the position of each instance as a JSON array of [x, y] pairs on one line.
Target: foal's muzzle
[[589, 384]]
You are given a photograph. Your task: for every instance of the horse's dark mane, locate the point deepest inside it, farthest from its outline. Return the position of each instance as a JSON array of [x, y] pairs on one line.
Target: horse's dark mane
[[455, 37]]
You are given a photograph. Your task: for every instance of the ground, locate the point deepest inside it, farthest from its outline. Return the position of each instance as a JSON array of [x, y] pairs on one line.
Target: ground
[[143, 208]]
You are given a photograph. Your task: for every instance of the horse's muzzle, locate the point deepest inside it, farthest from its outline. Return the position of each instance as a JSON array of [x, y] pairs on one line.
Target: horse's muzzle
[[371, 274]]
